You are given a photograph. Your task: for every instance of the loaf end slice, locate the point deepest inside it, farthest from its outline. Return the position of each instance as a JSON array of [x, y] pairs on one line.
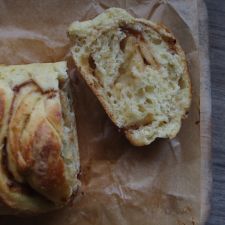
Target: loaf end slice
[[138, 71]]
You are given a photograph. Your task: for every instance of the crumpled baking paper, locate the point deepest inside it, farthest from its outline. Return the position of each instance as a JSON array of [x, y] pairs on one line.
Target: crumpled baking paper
[[121, 184]]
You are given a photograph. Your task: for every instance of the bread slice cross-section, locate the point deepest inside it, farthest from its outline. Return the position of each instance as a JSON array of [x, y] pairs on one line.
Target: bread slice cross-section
[[138, 71]]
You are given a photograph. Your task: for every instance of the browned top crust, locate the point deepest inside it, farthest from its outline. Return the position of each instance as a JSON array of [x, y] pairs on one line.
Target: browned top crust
[[38, 158]]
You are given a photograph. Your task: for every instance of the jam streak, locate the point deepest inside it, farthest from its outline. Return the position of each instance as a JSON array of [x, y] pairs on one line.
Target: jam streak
[[12, 184]]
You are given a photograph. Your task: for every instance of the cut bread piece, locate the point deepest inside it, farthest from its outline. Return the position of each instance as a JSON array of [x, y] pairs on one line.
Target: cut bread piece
[[137, 70]]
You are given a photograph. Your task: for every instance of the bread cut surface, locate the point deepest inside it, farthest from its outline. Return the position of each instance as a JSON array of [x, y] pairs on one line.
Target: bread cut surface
[[39, 159], [137, 70]]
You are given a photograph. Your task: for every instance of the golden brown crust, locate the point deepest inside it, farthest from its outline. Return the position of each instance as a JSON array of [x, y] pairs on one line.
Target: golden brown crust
[[34, 175], [47, 170]]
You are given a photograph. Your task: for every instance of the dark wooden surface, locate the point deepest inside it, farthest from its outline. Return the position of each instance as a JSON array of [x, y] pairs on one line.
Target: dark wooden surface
[[216, 13]]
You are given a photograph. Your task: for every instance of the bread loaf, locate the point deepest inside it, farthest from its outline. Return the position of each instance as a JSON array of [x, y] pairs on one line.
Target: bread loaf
[[39, 159]]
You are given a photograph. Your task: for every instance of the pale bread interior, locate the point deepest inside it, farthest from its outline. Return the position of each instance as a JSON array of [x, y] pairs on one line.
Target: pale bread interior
[[137, 70]]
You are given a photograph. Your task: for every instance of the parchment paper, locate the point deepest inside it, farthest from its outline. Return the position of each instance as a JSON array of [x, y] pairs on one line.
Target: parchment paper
[[121, 184]]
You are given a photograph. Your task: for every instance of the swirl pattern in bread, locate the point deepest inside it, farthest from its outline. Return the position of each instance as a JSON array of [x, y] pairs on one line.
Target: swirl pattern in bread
[[39, 159], [138, 71]]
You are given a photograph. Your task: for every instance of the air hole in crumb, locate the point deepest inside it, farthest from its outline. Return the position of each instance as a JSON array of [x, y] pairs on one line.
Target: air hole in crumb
[[123, 43], [129, 95], [145, 61], [77, 49], [141, 108], [148, 119], [149, 101], [162, 123], [156, 41], [91, 62], [130, 31], [80, 41], [170, 40], [170, 68], [122, 70], [181, 83], [141, 92], [109, 94], [149, 89], [171, 43]]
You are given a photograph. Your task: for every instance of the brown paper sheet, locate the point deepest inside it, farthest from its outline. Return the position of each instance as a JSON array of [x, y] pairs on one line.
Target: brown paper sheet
[[121, 184]]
